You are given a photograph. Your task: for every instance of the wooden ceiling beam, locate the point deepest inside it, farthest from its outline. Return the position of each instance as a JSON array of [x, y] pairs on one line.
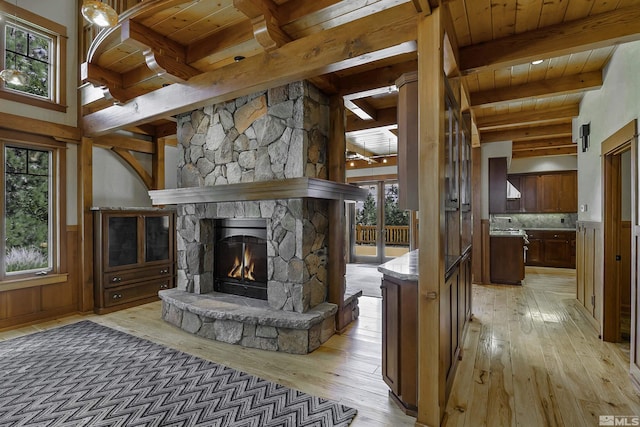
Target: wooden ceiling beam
[[523, 118], [366, 107], [596, 31], [385, 117], [115, 141], [372, 79], [537, 132], [266, 23], [538, 89], [226, 38], [381, 35], [163, 56], [542, 144], [296, 9], [422, 6], [560, 151], [167, 129]]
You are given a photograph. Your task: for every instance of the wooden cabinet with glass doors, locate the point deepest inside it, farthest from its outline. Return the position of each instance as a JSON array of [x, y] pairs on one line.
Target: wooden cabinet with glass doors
[[133, 257]]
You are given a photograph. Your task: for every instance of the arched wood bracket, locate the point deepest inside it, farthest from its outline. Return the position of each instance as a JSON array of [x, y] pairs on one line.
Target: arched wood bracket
[[264, 20], [110, 83], [135, 164], [124, 147], [163, 56]]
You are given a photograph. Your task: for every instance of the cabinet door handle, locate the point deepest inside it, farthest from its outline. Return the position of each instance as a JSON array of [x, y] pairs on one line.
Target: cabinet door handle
[[116, 296], [555, 236], [164, 286], [116, 279]]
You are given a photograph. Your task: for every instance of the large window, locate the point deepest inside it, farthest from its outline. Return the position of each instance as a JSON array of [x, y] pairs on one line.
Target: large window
[[36, 47], [28, 232]]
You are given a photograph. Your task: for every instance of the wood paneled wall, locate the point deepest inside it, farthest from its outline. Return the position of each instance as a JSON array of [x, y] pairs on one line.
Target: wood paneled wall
[[31, 304], [589, 268]]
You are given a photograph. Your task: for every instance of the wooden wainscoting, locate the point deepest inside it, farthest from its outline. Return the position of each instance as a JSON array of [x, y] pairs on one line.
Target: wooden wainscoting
[[32, 304], [589, 266]]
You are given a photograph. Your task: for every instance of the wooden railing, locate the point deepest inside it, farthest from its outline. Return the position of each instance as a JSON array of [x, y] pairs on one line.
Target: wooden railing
[[394, 234]]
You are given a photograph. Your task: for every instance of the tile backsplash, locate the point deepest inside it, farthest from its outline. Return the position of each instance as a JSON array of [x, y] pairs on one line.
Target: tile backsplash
[[531, 220]]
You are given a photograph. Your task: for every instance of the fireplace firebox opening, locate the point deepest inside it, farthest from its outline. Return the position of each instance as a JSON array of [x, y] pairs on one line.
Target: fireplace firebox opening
[[240, 257]]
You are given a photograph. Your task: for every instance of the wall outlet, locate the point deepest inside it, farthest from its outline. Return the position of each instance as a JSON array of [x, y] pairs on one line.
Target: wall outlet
[[583, 208], [562, 220]]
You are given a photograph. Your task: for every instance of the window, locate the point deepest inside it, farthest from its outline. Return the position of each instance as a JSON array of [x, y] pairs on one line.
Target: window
[[37, 47], [28, 226], [28, 51]]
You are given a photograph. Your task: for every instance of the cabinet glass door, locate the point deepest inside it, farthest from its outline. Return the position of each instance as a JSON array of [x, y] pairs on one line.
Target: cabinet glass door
[[156, 231], [123, 240]]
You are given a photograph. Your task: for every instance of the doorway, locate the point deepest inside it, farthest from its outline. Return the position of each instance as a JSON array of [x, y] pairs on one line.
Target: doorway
[[617, 197], [380, 230]]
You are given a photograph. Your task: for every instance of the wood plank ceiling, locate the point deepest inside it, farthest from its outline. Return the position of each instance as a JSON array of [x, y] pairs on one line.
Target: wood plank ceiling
[[188, 50]]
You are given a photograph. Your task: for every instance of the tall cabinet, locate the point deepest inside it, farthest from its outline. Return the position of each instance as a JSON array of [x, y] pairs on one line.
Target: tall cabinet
[[133, 256]]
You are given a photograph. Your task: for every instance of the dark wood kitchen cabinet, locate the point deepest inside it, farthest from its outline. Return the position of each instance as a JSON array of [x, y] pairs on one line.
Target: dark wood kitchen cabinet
[[551, 248], [133, 257], [399, 340], [507, 259], [551, 192], [498, 185]]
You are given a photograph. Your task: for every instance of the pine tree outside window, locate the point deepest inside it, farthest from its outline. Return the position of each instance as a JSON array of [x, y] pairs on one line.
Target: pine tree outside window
[[27, 231], [35, 46]]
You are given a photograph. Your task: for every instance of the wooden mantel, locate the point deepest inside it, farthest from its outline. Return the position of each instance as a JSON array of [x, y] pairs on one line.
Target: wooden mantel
[[268, 190]]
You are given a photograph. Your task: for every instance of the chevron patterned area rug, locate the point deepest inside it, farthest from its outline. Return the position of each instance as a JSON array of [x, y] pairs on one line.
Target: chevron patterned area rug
[[86, 374]]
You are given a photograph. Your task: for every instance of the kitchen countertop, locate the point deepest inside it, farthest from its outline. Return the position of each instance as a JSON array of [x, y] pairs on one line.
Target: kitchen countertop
[[549, 228], [507, 233], [404, 267]]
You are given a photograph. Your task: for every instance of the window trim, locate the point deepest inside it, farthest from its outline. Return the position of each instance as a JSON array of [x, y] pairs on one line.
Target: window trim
[[58, 33], [57, 206]]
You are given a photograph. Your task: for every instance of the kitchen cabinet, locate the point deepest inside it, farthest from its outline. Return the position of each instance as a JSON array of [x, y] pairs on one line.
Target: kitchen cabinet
[[551, 248], [507, 259], [553, 192], [497, 185], [400, 325], [133, 256], [399, 339]]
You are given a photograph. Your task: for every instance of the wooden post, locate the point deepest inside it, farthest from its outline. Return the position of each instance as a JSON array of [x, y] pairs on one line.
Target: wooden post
[[158, 164], [408, 141], [476, 206], [431, 98], [337, 146], [85, 201]]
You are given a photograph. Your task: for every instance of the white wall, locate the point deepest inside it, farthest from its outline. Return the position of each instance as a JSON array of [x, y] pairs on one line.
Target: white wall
[[59, 12], [607, 109], [115, 184], [490, 150]]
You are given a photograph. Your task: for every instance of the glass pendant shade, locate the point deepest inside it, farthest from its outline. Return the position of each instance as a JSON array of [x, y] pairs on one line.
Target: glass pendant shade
[[14, 77], [99, 13]]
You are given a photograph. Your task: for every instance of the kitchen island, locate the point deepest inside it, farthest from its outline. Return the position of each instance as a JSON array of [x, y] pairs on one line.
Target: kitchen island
[[400, 323], [508, 252]]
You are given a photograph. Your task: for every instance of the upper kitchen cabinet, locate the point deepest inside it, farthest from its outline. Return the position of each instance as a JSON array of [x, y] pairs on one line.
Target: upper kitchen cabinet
[[552, 192], [498, 185], [558, 192]]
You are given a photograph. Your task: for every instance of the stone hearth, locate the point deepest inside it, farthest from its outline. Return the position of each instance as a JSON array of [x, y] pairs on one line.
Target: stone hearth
[[260, 156]]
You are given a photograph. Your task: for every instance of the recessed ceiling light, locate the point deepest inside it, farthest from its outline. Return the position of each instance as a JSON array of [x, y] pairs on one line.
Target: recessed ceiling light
[[238, 58], [537, 61]]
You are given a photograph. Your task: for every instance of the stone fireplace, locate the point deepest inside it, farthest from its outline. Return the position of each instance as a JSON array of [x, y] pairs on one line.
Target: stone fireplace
[[258, 160]]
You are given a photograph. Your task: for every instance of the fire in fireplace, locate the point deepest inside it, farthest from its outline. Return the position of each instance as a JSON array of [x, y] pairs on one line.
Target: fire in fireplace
[[240, 257]]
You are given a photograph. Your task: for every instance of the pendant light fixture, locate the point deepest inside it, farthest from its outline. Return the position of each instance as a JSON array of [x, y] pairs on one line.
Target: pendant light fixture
[[13, 75], [99, 13]]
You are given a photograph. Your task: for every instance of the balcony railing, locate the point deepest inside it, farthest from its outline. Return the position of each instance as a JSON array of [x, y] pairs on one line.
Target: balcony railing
[[393, 234]]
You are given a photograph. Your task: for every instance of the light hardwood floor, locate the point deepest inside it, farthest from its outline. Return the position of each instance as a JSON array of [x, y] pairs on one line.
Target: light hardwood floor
[[530, 359]]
